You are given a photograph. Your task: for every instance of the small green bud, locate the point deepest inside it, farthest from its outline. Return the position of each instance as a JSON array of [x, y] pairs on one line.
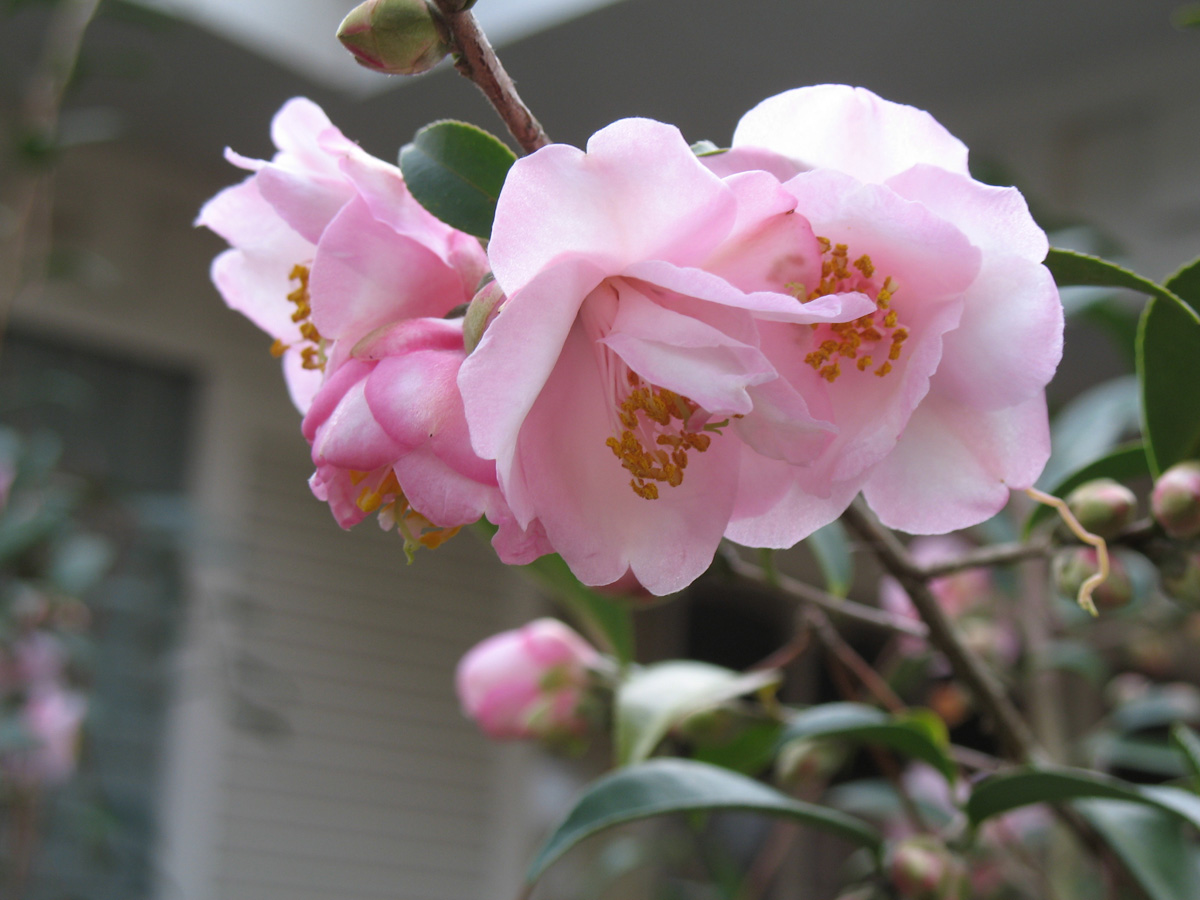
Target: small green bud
[[1175, 502], [397, 37], [1104, 507], [483, 308], [1074, 565]]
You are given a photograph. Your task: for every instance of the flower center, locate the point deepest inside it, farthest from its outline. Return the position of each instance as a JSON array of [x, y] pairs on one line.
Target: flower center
[[654, 441], [877, 335], [381, 492], [313, 355]]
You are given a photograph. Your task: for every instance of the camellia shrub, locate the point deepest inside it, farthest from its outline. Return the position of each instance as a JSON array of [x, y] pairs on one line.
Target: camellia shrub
[[630, 360]]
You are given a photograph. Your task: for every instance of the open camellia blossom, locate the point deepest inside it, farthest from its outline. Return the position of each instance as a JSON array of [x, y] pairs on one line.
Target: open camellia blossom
[[736, 345], [529, 682], [333, 258]]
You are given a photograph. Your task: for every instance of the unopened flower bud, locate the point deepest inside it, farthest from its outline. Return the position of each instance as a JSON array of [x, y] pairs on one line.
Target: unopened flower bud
[[397, 37], [1075, 565], [531, 682], [922, 868], [1103, 506], [482, 309], [1175, 502]]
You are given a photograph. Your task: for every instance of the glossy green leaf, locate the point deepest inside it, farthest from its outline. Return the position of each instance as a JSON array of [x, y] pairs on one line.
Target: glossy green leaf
[[1187, 742], [1152, 755], [1069, 268], [1091, 426], [455, 171], [1168, 350], [749, 751], [651, 701], [1151, 844], [1011, 790], [831, 549], [914, 735], [663, 786], [605, 620], [1123, 464]]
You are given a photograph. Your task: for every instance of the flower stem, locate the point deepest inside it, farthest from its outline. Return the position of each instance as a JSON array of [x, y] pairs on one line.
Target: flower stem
[[474, 58], [1010, 727]]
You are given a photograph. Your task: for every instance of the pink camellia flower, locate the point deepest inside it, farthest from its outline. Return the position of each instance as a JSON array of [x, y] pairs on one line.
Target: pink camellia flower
[[529, 682], [623, 388], [388, 435], [938, 394], [328, 245]]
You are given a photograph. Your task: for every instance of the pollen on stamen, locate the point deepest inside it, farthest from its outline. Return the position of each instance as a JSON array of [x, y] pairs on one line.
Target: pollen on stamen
[[846, 340], [312, 356], [654, 443]]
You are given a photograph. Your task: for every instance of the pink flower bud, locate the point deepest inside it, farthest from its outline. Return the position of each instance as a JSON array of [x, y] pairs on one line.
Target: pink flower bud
[[1103, 506], [529, 682], [1175, 502], [921, 868], [396, 37]]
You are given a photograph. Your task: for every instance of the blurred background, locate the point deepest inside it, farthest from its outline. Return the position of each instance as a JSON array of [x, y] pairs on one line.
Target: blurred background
[[266, 702]]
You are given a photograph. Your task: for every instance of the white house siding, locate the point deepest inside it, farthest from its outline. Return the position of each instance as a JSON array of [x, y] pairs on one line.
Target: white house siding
[[353, 774]]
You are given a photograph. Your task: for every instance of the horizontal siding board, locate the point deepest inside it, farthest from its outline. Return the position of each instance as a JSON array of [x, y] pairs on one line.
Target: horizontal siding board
[[372, 784]]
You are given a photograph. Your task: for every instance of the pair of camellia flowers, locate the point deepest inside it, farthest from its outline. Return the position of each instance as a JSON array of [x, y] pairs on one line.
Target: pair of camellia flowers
[[688, 349]]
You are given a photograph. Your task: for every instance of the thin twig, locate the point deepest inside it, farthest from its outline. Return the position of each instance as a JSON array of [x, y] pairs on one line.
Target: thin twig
[[995, 705], [995, 555], [476, 60], [835, 606]]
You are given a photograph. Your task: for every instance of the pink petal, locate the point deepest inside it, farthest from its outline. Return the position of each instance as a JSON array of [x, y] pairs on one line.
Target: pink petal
[[366, 275], [582, 496], [351, 438], [832, 126], [499, 385], [774, 510], [955, 465], [638, 193]]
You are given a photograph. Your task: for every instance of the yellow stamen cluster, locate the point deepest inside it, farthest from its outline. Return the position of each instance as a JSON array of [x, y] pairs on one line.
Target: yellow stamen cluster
[[383, 495], [647, 411], [312, 357], [845, 340]]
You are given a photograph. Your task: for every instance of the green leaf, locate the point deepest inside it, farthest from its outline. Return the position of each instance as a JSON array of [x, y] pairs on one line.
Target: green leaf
[[651, 701], [1090, 426], [999, 794], [831, 549], [1167, 351], [1187, 742], [1152, 845], [913, 735], [663, 786], [749, 751], [1142, 754], [1123, 464], [455, 171], [1070, 267]]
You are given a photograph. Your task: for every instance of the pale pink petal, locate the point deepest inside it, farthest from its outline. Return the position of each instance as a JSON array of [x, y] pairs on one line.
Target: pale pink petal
[[500, 382], [750, 159], [774, 510], [685, 355], [638, 193], [439, 492], [955, 465], [1009, 341], [781, 426], [295, 130], [366, 275], [351, 438], [582, 496], [307, 203], [851, 130]]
